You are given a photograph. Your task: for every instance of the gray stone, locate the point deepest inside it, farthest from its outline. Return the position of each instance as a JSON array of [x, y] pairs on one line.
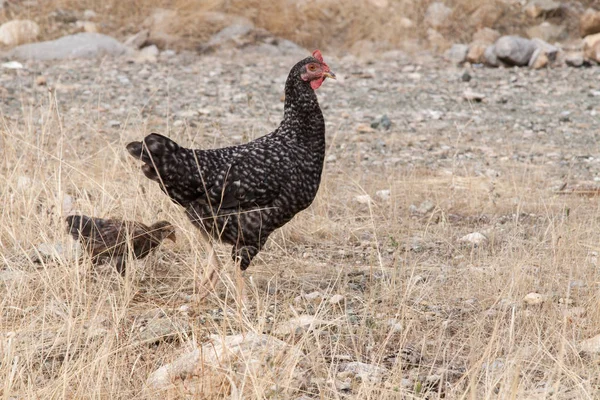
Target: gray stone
[[490, 58], [80, 45], [457, 53], [575, 60], [47, 252], [425, 207], [514, 50], [365, 372]]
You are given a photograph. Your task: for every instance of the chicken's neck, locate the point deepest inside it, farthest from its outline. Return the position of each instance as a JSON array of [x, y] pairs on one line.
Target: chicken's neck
[[302, 111]]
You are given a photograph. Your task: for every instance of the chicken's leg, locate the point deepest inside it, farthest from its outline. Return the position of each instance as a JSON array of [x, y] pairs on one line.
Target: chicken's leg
[[240, 296], [209, 281]]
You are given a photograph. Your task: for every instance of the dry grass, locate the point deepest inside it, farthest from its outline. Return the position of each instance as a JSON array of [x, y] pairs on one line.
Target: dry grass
[[68, 331], [331, 25]]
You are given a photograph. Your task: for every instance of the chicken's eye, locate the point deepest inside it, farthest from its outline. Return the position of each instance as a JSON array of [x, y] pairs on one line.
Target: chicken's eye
[[312, 67]]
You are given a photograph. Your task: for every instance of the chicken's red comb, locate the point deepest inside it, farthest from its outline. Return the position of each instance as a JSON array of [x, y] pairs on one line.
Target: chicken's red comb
[[317, 54]]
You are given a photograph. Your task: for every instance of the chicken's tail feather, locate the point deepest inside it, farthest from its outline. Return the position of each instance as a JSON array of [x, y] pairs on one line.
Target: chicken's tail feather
[[79, 225], [155, 151]]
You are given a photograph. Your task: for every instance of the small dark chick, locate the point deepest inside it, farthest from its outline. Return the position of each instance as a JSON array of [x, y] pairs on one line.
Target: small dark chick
[[241, 194], [112, 239]]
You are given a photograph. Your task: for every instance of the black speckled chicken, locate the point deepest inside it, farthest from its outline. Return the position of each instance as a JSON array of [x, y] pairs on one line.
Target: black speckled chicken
[[241, 194], [112, 239]]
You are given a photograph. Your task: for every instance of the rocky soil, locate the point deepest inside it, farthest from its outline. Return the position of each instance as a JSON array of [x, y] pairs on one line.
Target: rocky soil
[[436, 115]]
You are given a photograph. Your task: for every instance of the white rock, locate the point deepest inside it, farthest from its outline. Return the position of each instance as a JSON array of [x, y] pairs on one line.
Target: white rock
[[299, 324], [363, 199], [12, 65], [475, 238], [394, 325], [230, 353], [9, 275], [336, 299], [437, 15], [47, 251], [314, 297], [23, 182], [366, 372], [534, 299], [470, 95], [17, 31], [425, 207], [89, 14], [383, 194], [406, 23], [591, 345], [67, 205], [346, 384], [148, 54], [87, 26], [380, 3]]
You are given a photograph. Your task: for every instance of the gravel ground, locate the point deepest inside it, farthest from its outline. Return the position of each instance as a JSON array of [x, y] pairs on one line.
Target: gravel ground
[[534, 117]]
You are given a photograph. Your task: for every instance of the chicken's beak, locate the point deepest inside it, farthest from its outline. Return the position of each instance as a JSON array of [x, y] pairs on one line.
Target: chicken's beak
[[172, 237], [329, 74]]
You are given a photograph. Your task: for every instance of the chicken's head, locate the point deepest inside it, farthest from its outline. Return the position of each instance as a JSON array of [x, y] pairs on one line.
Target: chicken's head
[[163, 230], [314, 70]]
